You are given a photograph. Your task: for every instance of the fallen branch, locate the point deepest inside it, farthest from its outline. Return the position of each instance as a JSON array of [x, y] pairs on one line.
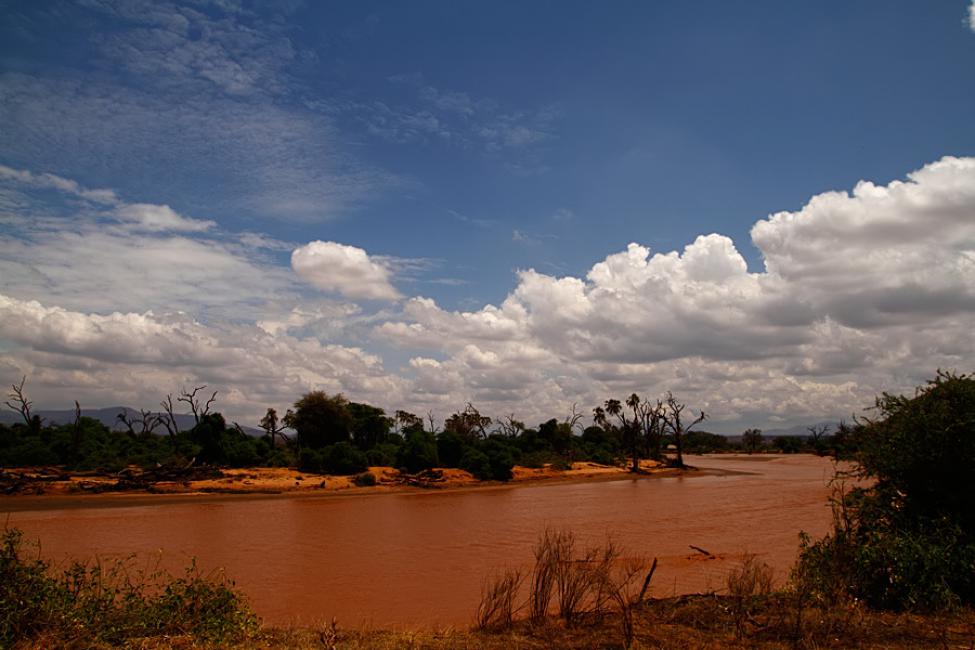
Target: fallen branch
[[646, 581], [702, 551]]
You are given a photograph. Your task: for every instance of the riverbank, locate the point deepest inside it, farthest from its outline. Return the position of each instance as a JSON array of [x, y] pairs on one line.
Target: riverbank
[[51, 487], [688, 622]]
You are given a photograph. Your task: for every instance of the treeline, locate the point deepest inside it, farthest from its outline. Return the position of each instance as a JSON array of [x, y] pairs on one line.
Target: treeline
[[330, 434]]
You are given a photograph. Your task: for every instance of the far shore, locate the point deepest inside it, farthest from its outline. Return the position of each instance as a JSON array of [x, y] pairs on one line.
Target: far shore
[[51, 488]]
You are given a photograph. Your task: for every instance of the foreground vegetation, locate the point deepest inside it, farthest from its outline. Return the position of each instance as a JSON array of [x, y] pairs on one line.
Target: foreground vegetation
[[85, 605]]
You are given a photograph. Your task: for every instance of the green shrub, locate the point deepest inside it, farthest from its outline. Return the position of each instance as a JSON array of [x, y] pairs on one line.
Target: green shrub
[[477, 463], [310, 460], [85, 605], [500, 457], [908, 540], [383, 455], [343, 459], [450, 448], [419, 452]]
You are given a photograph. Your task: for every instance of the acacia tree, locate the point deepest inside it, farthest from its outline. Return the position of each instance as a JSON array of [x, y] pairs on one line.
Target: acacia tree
[[672, 418], [320, 419], [752, 440], [407, 422], [272, 426], [469, 424]]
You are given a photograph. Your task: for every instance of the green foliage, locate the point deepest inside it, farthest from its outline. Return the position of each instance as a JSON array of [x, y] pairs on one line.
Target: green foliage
[[908, 540], [419, 451], [752, 440], [209, 434], [477, 463], [370, 426], [702, 442], [537, 459], [320, 419], [281, 458], [343, 459], [450, 448], [84, 605], [556, 434], [787, 444], [500, 457], [383, 455], [310, 460]]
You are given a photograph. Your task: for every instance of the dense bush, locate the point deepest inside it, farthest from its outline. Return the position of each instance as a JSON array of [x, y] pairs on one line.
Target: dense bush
[[908, 540], [343, 459], [383, 455], [450, 448], [477, 463], [87, 605], [419, 452]]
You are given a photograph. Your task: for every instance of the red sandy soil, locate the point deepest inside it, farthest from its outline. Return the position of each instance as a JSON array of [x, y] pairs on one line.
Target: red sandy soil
[[47, 481]]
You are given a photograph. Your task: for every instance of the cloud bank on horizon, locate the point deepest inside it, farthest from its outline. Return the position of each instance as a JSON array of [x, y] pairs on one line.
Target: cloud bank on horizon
[[861, 291]]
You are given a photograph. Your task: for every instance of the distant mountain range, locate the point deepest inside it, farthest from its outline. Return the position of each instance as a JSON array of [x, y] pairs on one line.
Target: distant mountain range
[[109, 417]]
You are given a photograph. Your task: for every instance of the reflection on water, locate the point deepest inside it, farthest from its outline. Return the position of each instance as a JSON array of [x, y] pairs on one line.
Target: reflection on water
[[420, 558]]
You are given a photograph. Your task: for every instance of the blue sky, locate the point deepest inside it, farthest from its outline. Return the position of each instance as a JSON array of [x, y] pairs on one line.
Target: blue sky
[[455, 145]]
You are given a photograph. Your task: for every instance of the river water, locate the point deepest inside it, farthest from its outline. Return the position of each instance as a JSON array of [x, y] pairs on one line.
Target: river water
[[420, 559]]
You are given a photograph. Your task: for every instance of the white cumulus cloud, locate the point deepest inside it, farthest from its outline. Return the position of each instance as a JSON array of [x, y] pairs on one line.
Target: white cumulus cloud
[[347, 270]]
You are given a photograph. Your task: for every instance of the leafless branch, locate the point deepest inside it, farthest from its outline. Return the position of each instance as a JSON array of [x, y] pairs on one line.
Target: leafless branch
[[21, 404]]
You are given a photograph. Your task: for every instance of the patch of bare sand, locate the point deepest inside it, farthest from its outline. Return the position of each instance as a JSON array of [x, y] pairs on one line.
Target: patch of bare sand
[[54, 482]]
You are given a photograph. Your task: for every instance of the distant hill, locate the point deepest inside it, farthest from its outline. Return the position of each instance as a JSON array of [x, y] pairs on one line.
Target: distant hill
[[802, 429], [797, 430], [109, 417]]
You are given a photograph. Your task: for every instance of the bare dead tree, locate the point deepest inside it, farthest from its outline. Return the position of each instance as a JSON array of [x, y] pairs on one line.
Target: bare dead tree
[[76, 431], [20, 404], [434, 428], [509, 427], [168, 418], [468, 423], [199, 408], [817, 431], [652, 421], [574, 418], [147, 422], [672, 418]]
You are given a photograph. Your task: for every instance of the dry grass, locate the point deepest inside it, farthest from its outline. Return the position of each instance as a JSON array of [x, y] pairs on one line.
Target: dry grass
[[692, 622]]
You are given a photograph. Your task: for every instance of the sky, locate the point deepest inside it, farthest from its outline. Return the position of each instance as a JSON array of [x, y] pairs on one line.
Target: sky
[[767, 208]]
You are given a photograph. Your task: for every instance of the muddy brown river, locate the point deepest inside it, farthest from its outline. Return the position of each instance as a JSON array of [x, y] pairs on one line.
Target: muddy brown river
[[419, 559]]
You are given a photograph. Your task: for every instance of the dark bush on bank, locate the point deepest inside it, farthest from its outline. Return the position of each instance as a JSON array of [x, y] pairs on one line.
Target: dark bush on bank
[[908, 540], [365, 479]]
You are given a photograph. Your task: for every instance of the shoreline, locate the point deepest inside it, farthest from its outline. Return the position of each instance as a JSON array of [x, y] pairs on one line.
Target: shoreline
[[233, 488]]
